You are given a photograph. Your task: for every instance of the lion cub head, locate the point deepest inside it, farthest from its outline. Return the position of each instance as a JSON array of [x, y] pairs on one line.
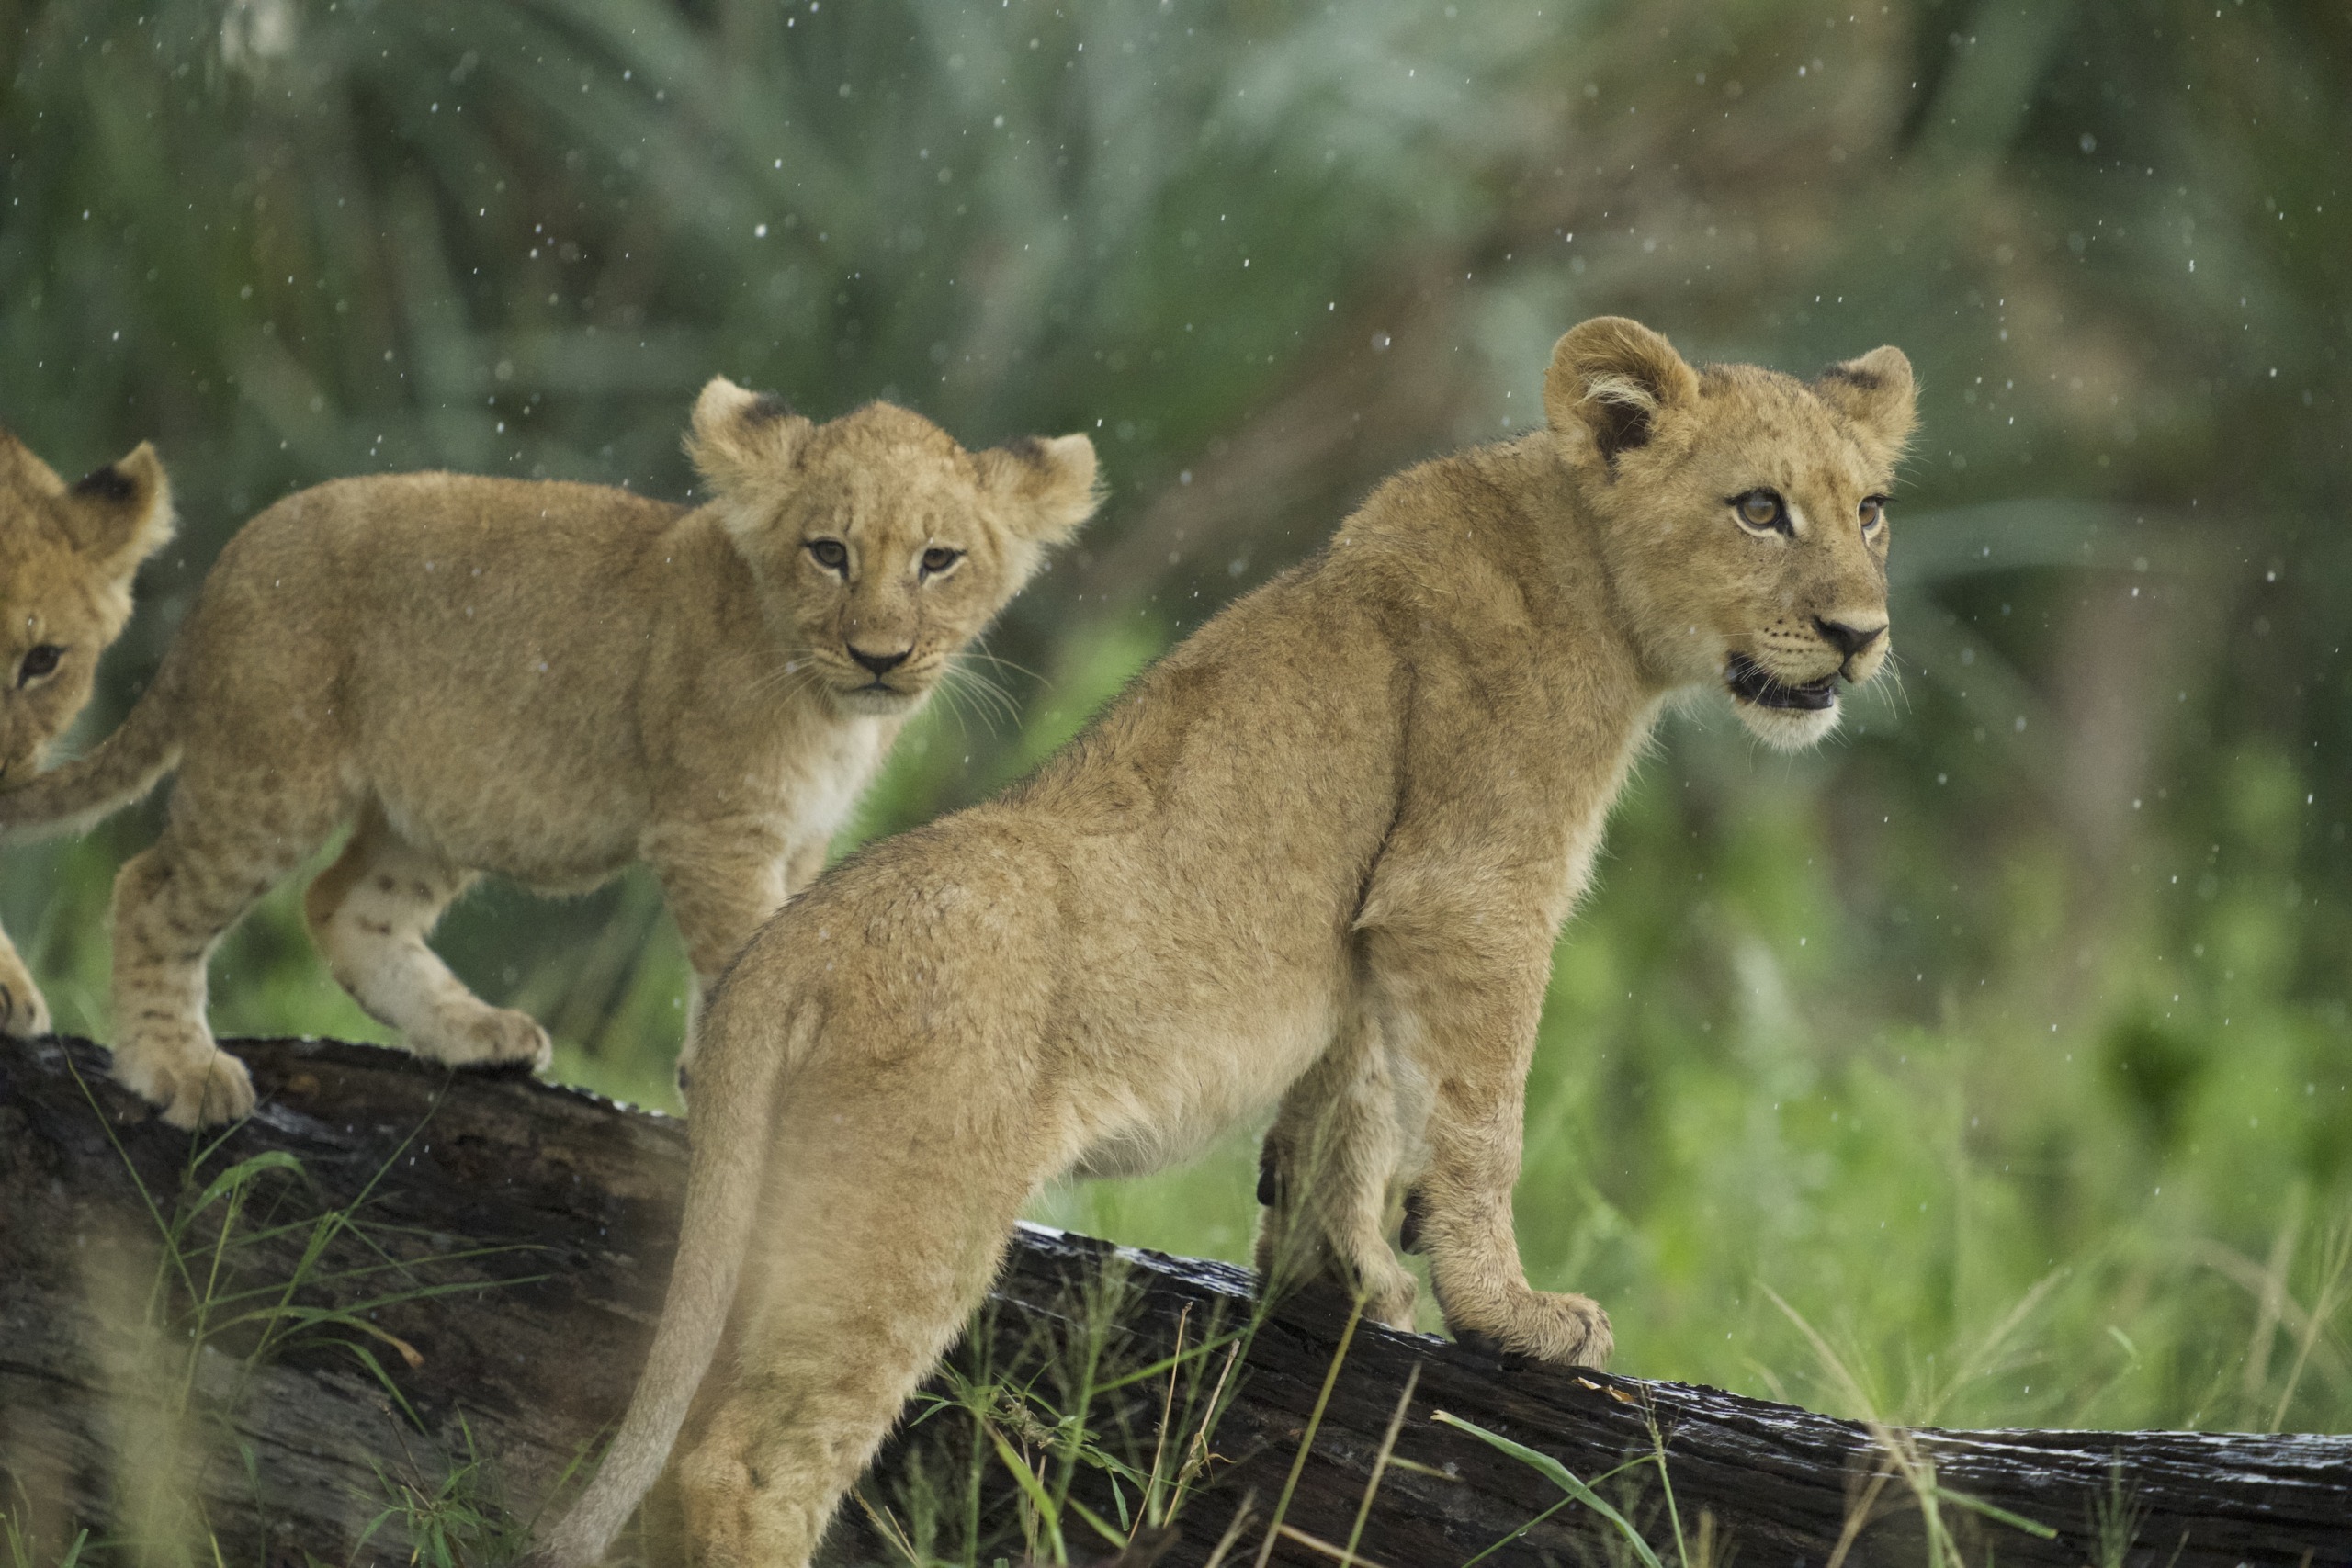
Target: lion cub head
[[882, 545], [1743, 513], [67, 556]]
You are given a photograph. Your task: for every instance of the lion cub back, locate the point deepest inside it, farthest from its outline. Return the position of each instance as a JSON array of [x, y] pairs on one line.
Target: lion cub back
[[451, 637]]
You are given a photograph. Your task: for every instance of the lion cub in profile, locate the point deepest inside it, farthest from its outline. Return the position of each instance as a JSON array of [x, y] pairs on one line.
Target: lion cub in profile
[[67, 556], [1317, 856], [548, 680]]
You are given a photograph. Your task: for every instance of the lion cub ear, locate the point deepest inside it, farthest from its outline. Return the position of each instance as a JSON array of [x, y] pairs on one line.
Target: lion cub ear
[[120, 514], [1611, 379], [1046, 487], [1877, 394], [738, 437]]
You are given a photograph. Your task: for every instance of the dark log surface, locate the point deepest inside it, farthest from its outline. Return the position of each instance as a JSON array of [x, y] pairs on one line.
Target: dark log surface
[[544, 1216]]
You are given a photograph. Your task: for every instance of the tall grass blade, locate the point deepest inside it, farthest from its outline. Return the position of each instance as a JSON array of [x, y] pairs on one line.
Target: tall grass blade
[[1306, 1438], [1559, 1475]]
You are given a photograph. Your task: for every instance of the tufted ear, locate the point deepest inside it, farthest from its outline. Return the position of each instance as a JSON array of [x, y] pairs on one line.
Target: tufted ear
[[120, 514], [1047, 486], [19, 464], [1612, 379], [738, 437], [1877, 394]]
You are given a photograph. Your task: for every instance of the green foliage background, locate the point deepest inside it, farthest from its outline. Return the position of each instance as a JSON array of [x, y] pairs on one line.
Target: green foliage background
[[2005, 1040]]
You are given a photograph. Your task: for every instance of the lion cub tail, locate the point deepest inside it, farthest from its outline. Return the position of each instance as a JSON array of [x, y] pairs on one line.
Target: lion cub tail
[[728, 1133], [124, 766]]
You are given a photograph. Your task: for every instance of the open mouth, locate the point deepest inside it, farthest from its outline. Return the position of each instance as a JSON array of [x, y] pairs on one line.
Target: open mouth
[[1750, 681]]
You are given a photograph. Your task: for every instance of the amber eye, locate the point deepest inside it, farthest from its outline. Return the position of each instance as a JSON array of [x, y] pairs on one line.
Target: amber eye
[[39, 662], [1761, 511], [938, 559], [1873, 512], [830, 554]]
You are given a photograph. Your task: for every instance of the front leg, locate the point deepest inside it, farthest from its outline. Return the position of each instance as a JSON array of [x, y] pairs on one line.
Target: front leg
[[722, 879], [22, 1011], [1464, 1012]]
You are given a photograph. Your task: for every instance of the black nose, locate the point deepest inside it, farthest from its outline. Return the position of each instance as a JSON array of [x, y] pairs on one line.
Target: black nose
[[880, 663], [1848, 640]]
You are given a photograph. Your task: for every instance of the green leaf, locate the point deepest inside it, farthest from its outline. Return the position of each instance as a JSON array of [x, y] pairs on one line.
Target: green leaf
[[1552, 1469], [242, 1173], [1993, 1511]]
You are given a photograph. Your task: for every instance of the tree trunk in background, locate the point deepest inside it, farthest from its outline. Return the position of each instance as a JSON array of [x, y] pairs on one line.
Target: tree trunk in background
[[349, 1416]]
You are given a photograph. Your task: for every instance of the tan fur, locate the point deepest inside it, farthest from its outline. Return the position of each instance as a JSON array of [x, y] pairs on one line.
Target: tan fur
[[67, 556], [548, 680], [1318, 855]]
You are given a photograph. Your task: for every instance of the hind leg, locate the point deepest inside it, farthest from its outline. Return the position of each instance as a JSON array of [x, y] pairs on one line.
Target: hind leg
[[22, 1011], [880, 1231], [370, 911], [171, 904], [1324, 1176]]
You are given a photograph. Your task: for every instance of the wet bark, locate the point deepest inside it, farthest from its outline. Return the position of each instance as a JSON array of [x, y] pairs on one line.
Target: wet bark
[[486, 1256]]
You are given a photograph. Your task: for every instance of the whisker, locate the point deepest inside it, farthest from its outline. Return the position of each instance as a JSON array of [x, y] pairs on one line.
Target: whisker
[[987, 680], [788, 679], [1001, 703], [983, 693], [966, 705], [1000, 700], [948, 699], [984, 689], [1902, 687], [979, 649], [957, 686]]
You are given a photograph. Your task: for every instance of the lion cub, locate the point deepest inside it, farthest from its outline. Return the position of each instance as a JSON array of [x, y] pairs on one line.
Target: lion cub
[[67, 557], [1318, 855], [548, 680]]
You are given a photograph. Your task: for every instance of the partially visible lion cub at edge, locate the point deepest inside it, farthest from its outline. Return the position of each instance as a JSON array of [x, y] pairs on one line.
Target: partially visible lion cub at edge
[[67, 556], [1320, 854], [548, 680]]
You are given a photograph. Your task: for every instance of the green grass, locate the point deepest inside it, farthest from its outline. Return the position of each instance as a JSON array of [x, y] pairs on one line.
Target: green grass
[[1901, 1095], [1056, 1445], [452, 1512], [239, 1265]]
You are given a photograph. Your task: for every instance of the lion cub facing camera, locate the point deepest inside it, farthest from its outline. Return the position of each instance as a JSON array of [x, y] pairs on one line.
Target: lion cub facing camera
[[1317, 857], [548, 680], [67, 556]]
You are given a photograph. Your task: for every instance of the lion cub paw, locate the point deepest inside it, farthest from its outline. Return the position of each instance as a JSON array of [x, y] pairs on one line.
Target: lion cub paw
[[22, 1011], [492, 1037], [1389, 1294], [1567, 1330], [193, 1088]]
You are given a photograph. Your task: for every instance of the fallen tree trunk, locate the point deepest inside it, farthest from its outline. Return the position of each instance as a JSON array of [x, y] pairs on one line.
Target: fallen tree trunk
[[398, 1308]]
